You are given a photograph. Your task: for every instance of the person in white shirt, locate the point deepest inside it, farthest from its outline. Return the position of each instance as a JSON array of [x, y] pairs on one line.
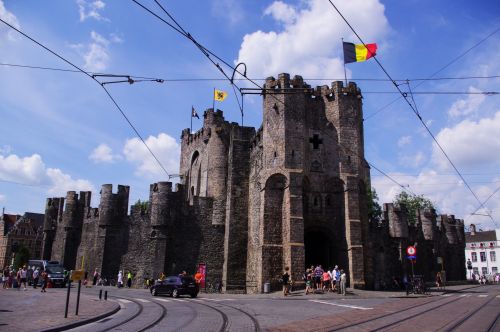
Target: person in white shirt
[[343, 279]]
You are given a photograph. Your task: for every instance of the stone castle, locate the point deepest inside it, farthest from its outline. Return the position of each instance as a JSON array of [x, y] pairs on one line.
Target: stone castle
[[250, 202]]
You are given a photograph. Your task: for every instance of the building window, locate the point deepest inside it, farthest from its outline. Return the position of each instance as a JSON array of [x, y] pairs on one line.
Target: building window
[[474, 257], [475, 270], [494, 270], [493, 256], [482, 254], [484, 270]]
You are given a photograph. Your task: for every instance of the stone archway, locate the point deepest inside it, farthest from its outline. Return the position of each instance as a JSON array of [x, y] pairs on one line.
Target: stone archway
[[319, 248]]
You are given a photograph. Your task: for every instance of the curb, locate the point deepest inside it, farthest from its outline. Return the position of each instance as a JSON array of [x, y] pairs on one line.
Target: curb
[[83, 321]]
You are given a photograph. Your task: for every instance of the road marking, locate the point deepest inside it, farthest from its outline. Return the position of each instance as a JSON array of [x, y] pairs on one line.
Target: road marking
[[179, 300], [163, 300], [218, 300], [142, 300], [465, 295], [447, 294], [124, 301], [483, 295], [342, 305], [498, 295]]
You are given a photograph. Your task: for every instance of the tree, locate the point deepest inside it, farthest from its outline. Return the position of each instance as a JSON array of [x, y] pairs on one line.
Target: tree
[[413, 203], [374, 208], [143, 205], [22, 257]]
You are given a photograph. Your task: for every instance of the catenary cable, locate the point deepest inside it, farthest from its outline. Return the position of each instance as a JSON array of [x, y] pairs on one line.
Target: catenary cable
[[436, 72], [94, 79], [414, 110]]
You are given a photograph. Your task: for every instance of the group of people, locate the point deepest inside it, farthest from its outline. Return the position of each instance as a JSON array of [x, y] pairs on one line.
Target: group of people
[[483, 279], [316, 279], [120, 279], [331, 280], [17, 279]]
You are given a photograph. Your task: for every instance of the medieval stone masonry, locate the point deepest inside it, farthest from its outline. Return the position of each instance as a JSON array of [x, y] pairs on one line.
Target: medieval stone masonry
[[250, 202]]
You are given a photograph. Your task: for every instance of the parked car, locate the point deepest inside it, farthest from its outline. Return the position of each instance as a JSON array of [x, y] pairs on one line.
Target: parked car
[[175, 286], [56, 275]]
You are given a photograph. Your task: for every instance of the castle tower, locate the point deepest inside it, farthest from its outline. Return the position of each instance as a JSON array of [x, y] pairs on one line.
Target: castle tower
[[72, 230], [161, 193], [346, 113], [53, 213], [109, 243], [298, 195]]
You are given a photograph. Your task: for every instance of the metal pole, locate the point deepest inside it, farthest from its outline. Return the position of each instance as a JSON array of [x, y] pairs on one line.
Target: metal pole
[[78, 297], [67, 299], [345, 72]]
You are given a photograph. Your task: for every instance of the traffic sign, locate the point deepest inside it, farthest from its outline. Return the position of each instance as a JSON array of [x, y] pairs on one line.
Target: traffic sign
[[411, 251], [77, 275]]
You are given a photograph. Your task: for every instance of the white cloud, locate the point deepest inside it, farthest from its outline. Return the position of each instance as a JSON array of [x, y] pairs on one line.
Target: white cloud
[[90, 9], [404, 140], [447, 192], [103, 154], [309, 43], [96, 53], [2, 198], [6, 149], [228, 9], [282, 12], [470, 144], [414, 161], [467, 106], [32, 171], [61, 183], [166, 149], [11, 19]]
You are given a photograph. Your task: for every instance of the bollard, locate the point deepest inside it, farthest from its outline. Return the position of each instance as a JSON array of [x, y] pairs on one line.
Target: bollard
[[100, 294], [105, 295]]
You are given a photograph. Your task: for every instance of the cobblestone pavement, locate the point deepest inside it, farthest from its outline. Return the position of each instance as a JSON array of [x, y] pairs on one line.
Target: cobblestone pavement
[[32, 310], [358, 311]]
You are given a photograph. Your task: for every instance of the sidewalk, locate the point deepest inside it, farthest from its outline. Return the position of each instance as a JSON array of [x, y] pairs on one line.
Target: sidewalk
[[32, 310]]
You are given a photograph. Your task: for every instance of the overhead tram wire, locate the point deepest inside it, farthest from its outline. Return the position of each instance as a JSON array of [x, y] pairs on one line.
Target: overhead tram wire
[[414, 110], [100, 84], [202, 79], [485, 201], [436, 72], [183, 32]]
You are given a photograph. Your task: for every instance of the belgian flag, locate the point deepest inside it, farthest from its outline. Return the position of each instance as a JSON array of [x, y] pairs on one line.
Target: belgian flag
[[358, 52]]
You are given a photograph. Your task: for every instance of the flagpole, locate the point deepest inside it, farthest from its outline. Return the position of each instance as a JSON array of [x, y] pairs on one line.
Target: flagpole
[[213, 101], [345, 72]]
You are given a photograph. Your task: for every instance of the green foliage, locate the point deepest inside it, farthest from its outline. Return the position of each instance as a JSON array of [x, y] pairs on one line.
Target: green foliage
[[143, 205], [374, 208], [413, 203], [22, 257]]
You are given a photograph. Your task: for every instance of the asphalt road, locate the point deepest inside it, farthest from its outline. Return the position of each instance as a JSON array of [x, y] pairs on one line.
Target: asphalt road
[[473, 309]]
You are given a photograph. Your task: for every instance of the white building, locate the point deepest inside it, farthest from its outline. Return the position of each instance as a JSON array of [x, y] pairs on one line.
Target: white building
[[482, 250]]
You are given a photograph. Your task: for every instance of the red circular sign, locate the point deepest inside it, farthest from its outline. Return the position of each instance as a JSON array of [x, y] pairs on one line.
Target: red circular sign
[[411, 251]]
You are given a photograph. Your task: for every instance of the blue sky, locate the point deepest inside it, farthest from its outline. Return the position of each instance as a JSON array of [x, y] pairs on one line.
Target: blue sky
[[60, 131]]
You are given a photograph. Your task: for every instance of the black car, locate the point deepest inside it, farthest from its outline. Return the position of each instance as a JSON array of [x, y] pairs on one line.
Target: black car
[[56, 275], [175, 286]]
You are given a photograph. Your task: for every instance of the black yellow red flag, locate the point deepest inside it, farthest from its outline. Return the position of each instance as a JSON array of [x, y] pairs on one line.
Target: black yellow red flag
[[358, 52]]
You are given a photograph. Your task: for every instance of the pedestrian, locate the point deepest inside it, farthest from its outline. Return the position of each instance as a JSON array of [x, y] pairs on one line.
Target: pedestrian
[[308, 279], [439, 281], [96, 277], [326, 281], [285, 279], [23, 274], [120, 279], [36, 276], [343, 279], [45, 278], [334, 279], [129, 279], [318, 273], [337, 273], [5, 277]]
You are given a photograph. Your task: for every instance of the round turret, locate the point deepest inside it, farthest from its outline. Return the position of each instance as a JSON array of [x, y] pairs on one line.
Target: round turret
[[449, 224], [106, 206], [70, 210], [397, 216], [160, 203], [428, 220]]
